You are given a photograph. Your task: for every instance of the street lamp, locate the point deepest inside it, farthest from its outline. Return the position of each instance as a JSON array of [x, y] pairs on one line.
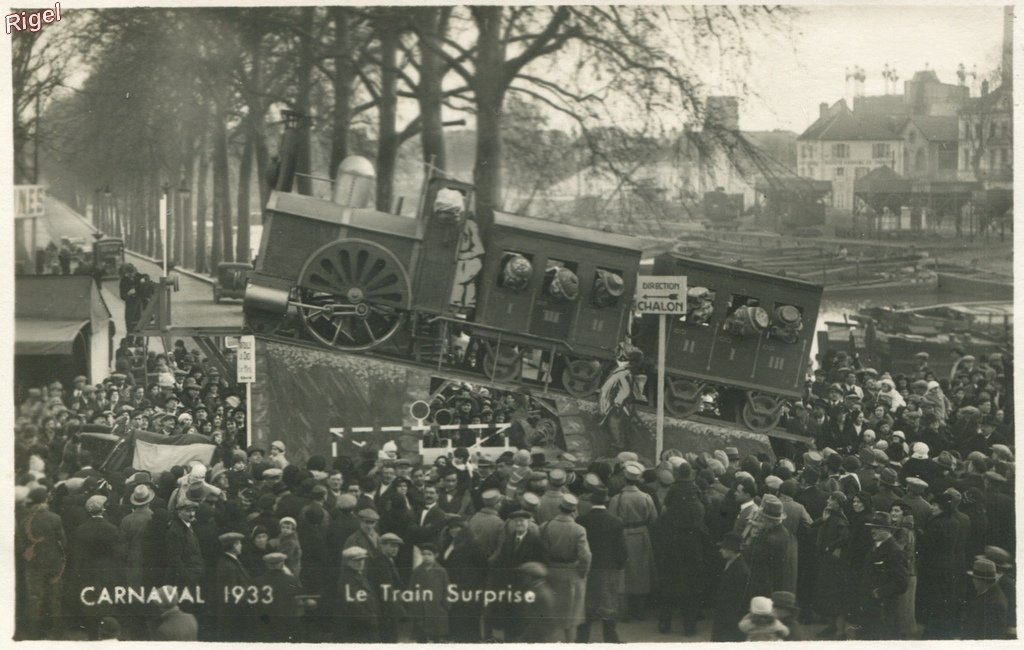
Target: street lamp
[[108, 225]]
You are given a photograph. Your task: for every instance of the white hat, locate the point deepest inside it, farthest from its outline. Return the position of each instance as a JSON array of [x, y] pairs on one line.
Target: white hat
[[761, 606], [919, 451]]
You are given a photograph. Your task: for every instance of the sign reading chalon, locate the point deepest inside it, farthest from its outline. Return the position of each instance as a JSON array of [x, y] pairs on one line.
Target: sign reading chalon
[[660, 294]]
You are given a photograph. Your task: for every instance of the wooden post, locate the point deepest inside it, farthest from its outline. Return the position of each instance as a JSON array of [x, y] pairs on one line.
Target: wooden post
[[659, 440]]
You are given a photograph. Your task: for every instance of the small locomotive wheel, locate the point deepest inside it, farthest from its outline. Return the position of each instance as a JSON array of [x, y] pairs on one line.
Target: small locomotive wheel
[[581, 378], [353, 294], [506, 365], [682, 397], [761, 412]]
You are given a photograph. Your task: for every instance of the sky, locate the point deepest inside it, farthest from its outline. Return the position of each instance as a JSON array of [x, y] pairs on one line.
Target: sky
[[793, 79]]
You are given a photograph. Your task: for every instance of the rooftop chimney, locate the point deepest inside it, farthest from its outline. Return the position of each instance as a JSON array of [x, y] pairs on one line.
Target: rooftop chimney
[[822, 109]]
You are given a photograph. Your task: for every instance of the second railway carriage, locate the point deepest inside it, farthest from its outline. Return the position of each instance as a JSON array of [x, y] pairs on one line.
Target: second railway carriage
[[746, 336]]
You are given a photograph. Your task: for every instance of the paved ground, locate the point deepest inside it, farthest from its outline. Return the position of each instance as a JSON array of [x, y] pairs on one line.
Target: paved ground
[[192, 305]]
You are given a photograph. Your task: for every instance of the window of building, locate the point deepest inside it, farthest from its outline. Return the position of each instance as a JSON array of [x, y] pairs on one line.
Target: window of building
[[812, 170], [920, 161], [881, 149], [840, 172], [840, 151], [991, 130], [912, 137], [977, 132], [860, 172], [1006, 129], [948, 154], [992, 159]]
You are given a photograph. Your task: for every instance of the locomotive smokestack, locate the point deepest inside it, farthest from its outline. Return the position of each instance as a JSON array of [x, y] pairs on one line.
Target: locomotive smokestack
[[288, 153]]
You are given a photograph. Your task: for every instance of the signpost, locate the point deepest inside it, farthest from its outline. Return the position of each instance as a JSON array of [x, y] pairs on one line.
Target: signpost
[[28, 205], [163, 229], [663, 295], [246, 358]]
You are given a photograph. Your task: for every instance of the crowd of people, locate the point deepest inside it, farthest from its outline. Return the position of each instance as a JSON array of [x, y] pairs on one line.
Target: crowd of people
[[898, 523]]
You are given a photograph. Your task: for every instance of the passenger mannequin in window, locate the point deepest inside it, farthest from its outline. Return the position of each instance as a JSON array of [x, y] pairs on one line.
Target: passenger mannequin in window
[[451, 204]]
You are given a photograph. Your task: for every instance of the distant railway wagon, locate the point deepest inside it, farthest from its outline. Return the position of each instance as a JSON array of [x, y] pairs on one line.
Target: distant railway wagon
[[746, 338]]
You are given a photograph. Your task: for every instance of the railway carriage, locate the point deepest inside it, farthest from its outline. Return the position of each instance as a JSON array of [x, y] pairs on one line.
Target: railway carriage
[[746, 335]]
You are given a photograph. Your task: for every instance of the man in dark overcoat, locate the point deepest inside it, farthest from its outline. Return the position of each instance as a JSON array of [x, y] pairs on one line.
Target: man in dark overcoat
[[608, 550], [732, 601], [358, 609], [185, 566], [42, 544], [681, 554], [233, 610], [942, 552], [987, 612], [885, 578], [279, 610], [772, 551]]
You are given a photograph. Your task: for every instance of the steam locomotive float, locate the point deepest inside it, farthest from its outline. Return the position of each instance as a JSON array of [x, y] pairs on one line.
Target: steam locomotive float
[[430, 289]]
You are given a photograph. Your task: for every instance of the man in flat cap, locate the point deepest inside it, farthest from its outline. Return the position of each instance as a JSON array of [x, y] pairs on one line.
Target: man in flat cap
[[185, 566], [565, 545], [485, 526], [391, 612], [92, 562], [279, 610], [637, 511], [357, 609], [231, 581], [41, 542]]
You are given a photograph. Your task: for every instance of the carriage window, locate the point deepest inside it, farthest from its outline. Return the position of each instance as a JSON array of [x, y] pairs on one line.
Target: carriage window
[[745, 316], [515, 270], [787, 322], [700, 306], [608, 287], [560, 280]]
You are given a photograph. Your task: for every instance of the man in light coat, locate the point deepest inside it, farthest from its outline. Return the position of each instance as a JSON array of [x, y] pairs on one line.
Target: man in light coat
[[568, 554], [637, 511]]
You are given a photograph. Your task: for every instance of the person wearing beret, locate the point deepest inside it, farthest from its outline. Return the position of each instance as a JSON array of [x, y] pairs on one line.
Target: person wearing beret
[[987, 615], [277, 615], [233, 621], [637, 511], [884, 578], [608, 548]]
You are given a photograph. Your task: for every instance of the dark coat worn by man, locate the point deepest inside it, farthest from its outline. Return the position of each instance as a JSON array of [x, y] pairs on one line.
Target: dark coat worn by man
[[886, 575], [941, 553], [731, 602], [986, 615], [184, 559], [233, 622], [771, 566], [608, 557], [357, 618], [681, 556], [279, 618]]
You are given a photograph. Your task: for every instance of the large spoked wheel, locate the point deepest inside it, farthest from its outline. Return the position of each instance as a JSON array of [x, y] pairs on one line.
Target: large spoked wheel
[[353, 294], [682, 397], [761, 412]]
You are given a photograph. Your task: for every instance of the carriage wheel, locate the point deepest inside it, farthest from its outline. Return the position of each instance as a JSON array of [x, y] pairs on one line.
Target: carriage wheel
[[761, 412], [682, 397], [353, 294], [505, 364], [581, 378]]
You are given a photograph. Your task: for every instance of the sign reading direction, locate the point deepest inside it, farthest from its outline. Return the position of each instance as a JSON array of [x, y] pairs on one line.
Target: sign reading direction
[[28, 201], [246, 357], [660, 294]]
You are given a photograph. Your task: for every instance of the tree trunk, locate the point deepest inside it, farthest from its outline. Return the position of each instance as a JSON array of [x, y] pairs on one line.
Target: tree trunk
[[433, 23], [303, 88], [387, 114], [221, 195], [201, 203], [489, 89], [244, 182], [186, 209], [344, 77]]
